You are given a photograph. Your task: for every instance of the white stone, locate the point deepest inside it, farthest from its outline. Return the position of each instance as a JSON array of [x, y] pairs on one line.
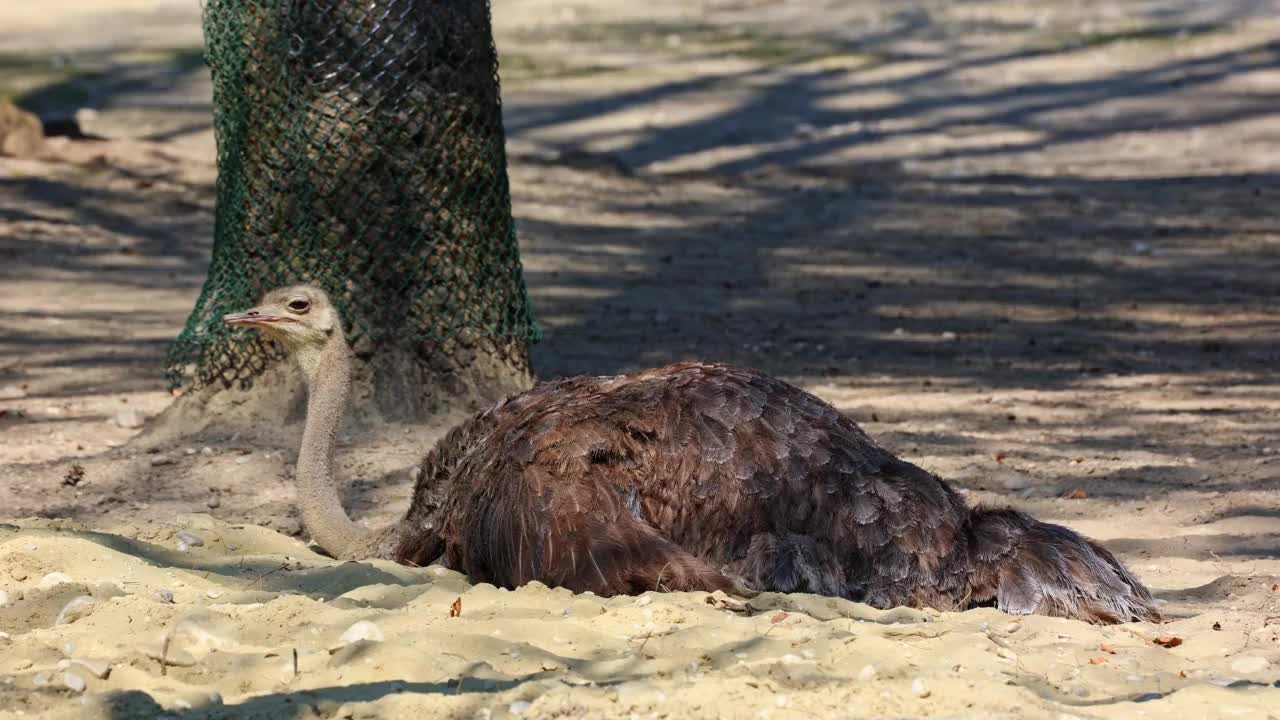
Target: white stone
[[97, 668], [53, 580], [363, 630], [919, 689], [78, 607], [74, 682]]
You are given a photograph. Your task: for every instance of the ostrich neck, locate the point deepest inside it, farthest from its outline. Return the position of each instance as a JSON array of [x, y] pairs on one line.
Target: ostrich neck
[[328, 374]]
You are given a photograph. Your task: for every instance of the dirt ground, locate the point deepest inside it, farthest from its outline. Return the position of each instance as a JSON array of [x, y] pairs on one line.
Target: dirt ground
[[1031, 247]]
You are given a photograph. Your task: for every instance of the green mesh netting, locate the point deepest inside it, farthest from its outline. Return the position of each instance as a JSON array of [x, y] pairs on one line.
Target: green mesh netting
[[360, 147]]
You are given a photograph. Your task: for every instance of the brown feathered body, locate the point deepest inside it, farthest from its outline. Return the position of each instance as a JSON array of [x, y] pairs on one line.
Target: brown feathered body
[[709, 477]]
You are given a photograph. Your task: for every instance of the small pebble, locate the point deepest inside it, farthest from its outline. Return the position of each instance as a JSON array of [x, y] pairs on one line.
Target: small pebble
[[213, 502], [73, 681], [868, 673], [243, 459], [1012, 627], [780, 701], [76, 608], [644, 600], [213, 594], [190, 538], [40, 679], [4, 635], [519, 707], [4, 598], [53, 580], [12, 392], [919, 689], [97, 668], [363, 630], [206, 451]]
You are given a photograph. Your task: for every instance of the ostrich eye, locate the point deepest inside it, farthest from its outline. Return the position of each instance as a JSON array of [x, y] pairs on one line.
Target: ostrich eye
[[299, 305]]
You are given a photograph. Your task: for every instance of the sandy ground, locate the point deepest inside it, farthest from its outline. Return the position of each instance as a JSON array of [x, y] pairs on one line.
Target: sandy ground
[[1029, 246]]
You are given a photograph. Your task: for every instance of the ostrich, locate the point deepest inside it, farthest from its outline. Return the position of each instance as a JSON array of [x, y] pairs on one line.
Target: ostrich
[[693, 476]]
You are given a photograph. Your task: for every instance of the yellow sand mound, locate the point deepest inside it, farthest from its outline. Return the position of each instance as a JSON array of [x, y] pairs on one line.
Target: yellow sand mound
[[208, 619]]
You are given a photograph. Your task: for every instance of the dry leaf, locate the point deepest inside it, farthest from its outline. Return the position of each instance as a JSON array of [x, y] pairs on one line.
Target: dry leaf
[[1077, 494], [455, 609], [1182, 673], [778, 618], [1107, 649], [1097, 660], [999, 457], [1168, 641], [1275, 588]]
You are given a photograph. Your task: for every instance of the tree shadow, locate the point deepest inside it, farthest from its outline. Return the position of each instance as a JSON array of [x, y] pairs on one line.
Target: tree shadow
[[1049, 299], [824, 264]]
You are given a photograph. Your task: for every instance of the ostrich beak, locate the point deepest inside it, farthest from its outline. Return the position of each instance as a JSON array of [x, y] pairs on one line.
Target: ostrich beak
[[255, 317]]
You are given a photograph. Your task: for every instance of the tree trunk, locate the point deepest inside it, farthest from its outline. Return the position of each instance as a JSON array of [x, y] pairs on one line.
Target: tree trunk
[[360, 148]]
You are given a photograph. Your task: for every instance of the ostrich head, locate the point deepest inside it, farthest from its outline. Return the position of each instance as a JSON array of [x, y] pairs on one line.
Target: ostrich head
[[300, 317]]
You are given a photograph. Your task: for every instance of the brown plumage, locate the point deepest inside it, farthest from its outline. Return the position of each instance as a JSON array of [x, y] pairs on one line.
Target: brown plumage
[[701, 476]]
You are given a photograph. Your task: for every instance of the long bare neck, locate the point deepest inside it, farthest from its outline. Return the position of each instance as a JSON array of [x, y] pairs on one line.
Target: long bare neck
[[328, 373]]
